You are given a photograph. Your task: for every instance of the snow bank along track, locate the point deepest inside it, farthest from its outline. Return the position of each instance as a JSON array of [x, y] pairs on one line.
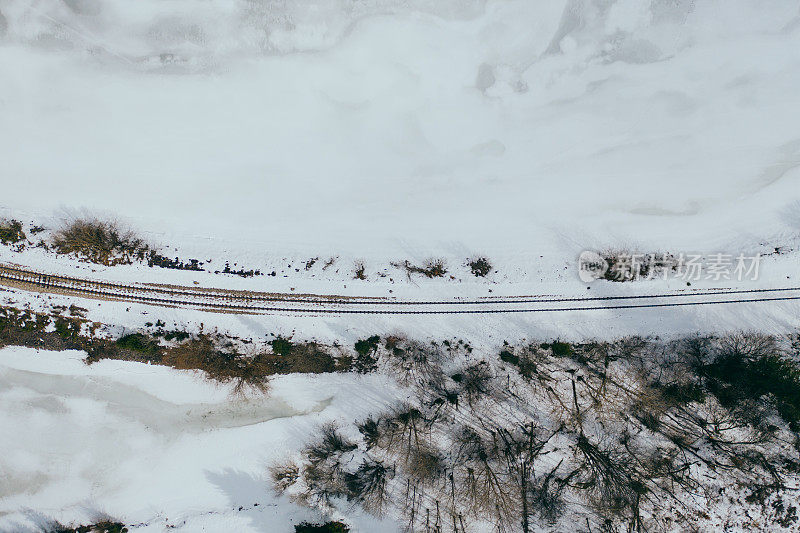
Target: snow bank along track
[[231, 301]]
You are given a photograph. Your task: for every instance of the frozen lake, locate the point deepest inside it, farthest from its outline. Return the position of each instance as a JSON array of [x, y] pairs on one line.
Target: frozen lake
[[154, 445]]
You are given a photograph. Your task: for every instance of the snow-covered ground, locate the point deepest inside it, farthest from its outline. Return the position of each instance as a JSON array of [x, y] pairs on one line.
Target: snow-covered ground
[[271, 132], [152, 445], [163, 450], [384, 128]]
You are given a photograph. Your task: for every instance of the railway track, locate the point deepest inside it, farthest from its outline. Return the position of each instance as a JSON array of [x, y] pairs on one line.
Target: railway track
[[241, 302]]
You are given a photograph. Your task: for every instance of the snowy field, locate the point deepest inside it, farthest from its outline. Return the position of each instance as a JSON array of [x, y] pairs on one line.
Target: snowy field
[[385, 128], [272, 132]]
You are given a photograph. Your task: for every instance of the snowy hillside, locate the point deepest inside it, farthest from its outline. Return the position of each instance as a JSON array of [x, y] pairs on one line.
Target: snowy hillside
[[381, 126]]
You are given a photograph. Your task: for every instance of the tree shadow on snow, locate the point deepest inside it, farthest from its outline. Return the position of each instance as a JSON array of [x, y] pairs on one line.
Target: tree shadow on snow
[[37, 522], [253, 497]]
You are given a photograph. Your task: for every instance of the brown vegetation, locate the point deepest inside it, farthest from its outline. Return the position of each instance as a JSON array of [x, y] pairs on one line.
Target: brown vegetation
[[215, 355], [99, 241], [433, 268]]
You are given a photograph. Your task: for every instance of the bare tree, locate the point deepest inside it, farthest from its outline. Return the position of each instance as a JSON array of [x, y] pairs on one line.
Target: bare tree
[[368, 484]]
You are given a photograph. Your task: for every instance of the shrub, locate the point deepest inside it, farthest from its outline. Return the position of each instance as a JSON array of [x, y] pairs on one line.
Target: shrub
[[620, 268], [414, 361], [281, 346], [476, 381], [138, 342], [175, 335], [434, 268], [226, 365], [424, 464], [56, 332], [324, 473], [682, 393], [327, 527], [480, 267], [105, 526], [284, 476], [606, 476], [100, 242], [26, 328], [370, 432], [547, 499], [525, 361], [67, 328], [11, 231], [561, 349], [627, 266], [368, 484], [365, 348], [527, 367], [242, 273], [444, 394], [158, 260], [192, 355], [748, 367], [359, 271], [330, 443], [507, 357]]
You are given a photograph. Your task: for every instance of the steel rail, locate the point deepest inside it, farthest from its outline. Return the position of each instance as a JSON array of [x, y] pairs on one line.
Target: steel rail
[[239, 301], [67, 282]]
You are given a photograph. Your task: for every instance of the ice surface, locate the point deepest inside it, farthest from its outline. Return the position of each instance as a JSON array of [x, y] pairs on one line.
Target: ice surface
[[79, 441]]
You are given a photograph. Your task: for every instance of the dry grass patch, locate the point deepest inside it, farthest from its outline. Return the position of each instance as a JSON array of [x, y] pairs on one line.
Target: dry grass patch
[[223, 366], [433, 268], [216, 356], [100, 241], [284, 475], [38, 330]]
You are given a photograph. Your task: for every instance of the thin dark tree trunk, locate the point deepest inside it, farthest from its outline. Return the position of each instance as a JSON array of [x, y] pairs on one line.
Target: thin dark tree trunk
[[524, 473]]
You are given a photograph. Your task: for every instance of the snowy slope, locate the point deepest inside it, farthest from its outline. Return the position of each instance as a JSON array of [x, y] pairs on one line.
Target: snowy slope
[[383, 128]]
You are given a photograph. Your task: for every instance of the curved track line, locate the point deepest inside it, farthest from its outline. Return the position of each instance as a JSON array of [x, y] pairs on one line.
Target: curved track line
[[245, 302]]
